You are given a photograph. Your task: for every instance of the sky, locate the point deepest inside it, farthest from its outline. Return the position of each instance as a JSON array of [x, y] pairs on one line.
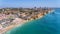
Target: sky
[[29, 3]]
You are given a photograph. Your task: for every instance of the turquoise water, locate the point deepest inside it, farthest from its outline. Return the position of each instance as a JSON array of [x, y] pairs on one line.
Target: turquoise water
[[49, 24]]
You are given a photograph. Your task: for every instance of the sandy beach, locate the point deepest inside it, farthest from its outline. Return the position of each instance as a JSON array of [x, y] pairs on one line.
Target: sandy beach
[[19, 22]]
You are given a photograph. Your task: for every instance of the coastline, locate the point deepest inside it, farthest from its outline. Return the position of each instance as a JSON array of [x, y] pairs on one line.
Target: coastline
[[21, 23], [12, 26]]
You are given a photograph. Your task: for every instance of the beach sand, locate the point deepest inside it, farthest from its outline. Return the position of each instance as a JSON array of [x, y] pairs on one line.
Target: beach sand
[[19, 22]]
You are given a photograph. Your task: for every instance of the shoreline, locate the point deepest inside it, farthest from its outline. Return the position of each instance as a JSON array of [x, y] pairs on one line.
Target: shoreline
[[21, 23], [11, 27]]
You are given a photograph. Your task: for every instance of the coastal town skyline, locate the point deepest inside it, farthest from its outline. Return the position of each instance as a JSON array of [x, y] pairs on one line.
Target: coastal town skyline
[[29, 3], [40, 16]]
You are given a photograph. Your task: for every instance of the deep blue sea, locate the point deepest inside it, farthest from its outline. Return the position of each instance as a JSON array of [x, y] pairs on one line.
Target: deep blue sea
[[49, 24]]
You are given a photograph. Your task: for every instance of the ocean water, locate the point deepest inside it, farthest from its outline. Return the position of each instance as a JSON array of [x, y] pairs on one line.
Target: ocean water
[[49, 24]]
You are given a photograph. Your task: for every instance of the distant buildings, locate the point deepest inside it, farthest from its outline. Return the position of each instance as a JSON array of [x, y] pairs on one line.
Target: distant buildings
[[23, 12], [12, 16]]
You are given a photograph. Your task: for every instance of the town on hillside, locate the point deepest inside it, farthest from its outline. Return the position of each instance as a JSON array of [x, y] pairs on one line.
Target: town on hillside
[[15, 16]]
